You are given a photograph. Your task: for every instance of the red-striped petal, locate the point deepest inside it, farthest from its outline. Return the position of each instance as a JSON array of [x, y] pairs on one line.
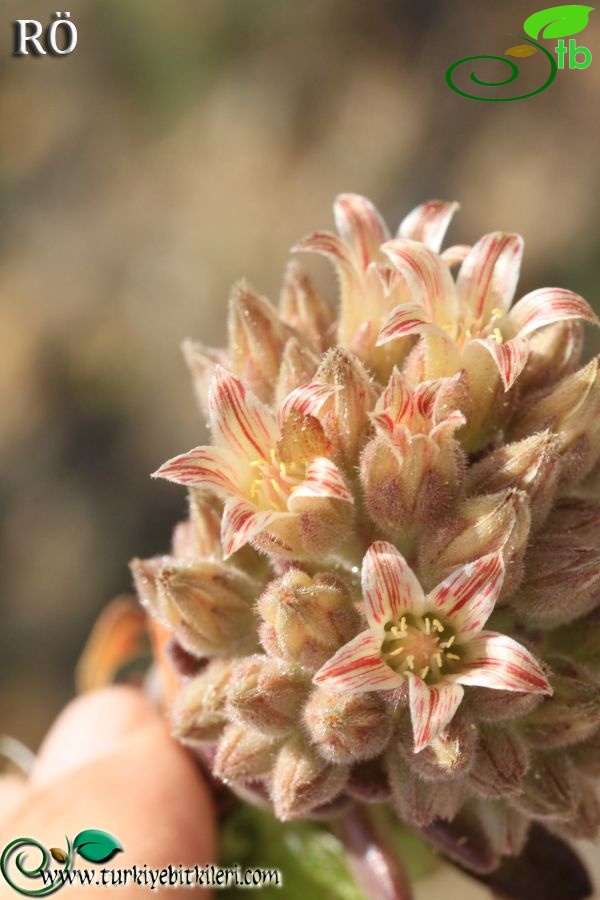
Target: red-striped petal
[[323, 480], [468, 595], [390, 588], [431, 708], [404, 320], [489, 275], [547, 306], [427, 278], [326, 244], [360, 224], [308, 399], [209, 467], [428, 223], [497, 661], [358, 666], [510, 357], [241, 523], [239, 421]]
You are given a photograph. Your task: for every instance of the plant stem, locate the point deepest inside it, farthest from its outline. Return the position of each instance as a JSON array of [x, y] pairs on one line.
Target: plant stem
[[378, 870]]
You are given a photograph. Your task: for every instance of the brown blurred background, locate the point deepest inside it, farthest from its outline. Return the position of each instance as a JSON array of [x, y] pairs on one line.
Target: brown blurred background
[[182, 145]]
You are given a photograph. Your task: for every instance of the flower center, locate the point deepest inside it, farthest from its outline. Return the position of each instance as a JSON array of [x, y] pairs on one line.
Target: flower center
[[274, 481], [420, 644]]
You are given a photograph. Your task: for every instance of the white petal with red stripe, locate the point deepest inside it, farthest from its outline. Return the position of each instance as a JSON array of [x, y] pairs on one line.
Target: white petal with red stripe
[[308, 399], [323, 480], [466, 598], [242, 522], [497, 661], [547, 306], [432, 707], [489, 275], [427, 278], [390, 588], [405, 320], [428, 223], [360, 224], [358, 666], [510, 357], [238, 420], [208, 467], [326, 244]]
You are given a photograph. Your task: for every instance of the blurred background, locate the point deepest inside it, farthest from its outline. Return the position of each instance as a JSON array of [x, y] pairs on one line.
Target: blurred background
[[184, 145]]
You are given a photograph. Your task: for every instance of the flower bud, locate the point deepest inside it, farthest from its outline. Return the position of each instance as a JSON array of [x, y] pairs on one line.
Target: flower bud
[[347, 728], [345, 415], [208, 607], [266, 695], [501, 763], [585, 823], [199, 714], [303, 781], [303, 308], [575, 517], [571, 714], [554, 351], [244, 754], [201, 538], [550, 790], [570, 409], [449, 756], [145, 574], [298, 366], [412, 485], [531, 465], [480, 525], [306, 619], [561, 583], [256, 340], [417, 801], [500, 706]]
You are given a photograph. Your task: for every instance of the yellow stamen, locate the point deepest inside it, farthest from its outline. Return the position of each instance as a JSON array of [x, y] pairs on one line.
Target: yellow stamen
[[452, 656], [410, 661], [424, 672]]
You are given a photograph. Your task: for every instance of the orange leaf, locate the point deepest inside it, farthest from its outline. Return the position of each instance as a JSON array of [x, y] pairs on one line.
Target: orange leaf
[[521, 50]]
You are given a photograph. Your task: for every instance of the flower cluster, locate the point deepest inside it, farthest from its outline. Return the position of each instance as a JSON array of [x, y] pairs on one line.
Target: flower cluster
[[388, 585]]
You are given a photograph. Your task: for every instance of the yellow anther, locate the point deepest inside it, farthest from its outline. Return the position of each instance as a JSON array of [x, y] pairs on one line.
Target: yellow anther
[[452, 656], [439, 660], [497, 313], [497, 336], [438, 625], [427, 625], [403, 623], [447, 644], [256, 462], [424, 672], [410, 661], [396, 652]]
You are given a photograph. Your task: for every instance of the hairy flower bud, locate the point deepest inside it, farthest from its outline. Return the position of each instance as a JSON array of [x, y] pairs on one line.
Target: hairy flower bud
[[266, 695], [208, 606], [199, 714], [298, 366], [368, 782], [345, 415], [303, 781], [561, 583], [256, 339], [571, 714], [501, 763], [347, 728], [531, 465], [584, 825], [550, 789], [418, 801], [586, 755], [570, 409], [480, 525], [306, 619], [506, 827], [554, 351], [303, 308], [201, 362], [244, 754]]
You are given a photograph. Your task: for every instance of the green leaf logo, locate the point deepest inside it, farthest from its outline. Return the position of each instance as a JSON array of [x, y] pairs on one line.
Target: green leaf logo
[[558, 21], [96, 846]]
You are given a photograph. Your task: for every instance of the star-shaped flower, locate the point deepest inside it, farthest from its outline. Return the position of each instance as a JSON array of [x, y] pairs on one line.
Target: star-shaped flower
[[434, 642], [281, 490]]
